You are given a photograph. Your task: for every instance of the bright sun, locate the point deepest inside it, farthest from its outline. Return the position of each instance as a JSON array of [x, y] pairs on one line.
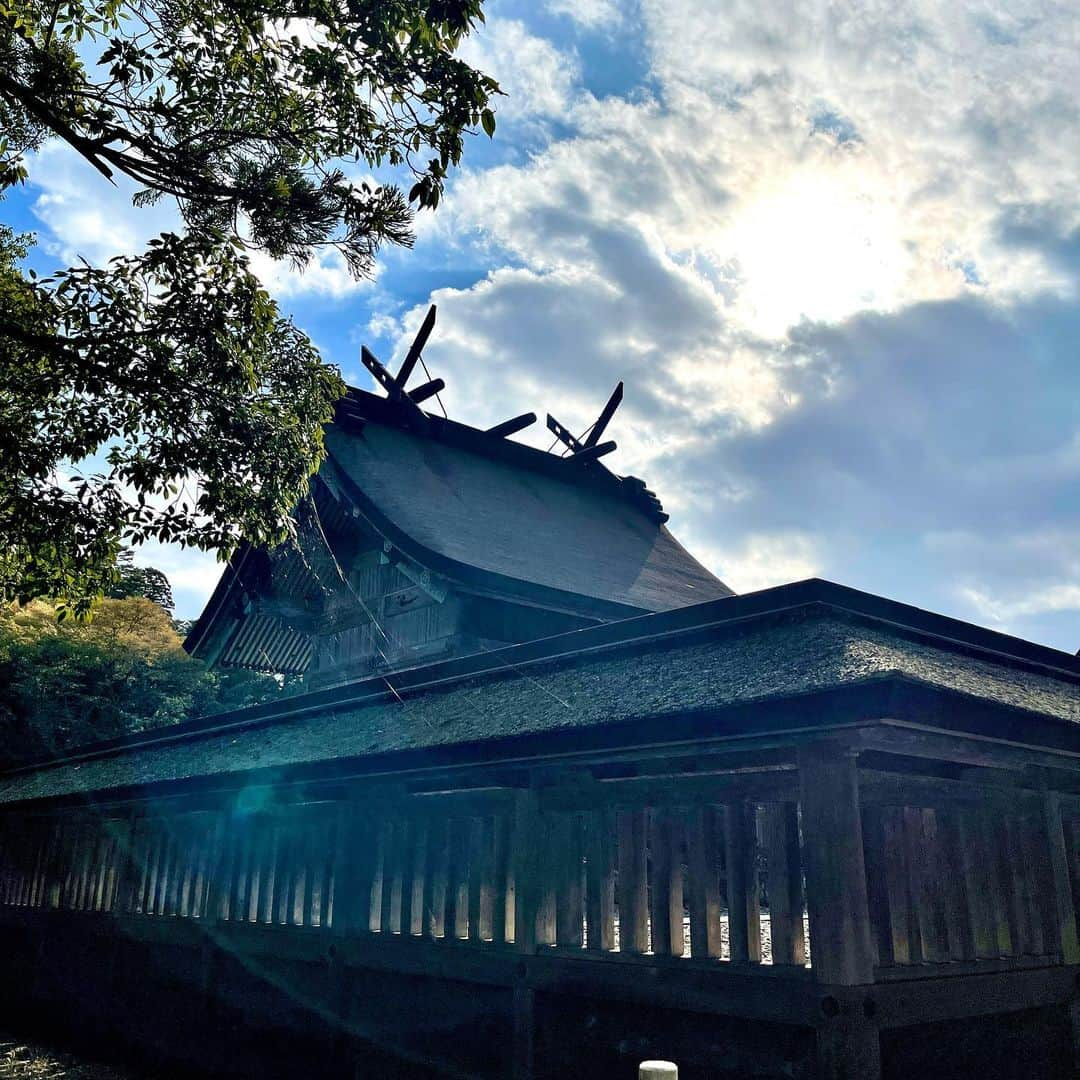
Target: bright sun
[[817, 248]]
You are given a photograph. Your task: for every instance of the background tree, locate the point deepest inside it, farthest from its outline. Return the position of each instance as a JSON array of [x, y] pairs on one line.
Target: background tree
[[65, 683], [200, 405], [145, 581]]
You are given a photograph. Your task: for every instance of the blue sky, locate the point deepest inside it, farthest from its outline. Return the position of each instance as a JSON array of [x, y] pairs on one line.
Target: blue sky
[[833, 250]]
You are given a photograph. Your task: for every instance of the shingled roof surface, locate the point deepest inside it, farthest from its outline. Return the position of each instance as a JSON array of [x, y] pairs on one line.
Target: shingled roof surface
[[517, 515], [715, 657]]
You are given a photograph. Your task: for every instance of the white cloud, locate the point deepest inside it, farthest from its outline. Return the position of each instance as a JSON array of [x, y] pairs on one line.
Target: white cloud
[[808, 162], [762, 560], [535, 76], [188, 570], [590, 14], [1053, 598], [87, 216], [327, 274]]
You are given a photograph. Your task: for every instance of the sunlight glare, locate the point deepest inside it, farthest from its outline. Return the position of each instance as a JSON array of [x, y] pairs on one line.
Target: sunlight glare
[[815, 248]]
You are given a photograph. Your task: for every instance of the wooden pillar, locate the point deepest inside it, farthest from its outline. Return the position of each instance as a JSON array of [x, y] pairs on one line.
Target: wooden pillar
[[354, 863], [526, 840], [848, 1045], [841, 943], [840, 939]]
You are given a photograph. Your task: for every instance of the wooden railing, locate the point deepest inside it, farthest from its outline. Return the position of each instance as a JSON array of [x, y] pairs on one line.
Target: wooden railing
[[609, 869], [702, 868], [957, 885]]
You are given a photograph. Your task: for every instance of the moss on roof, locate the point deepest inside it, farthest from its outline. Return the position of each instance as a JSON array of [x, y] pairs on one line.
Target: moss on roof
[[795, 654]]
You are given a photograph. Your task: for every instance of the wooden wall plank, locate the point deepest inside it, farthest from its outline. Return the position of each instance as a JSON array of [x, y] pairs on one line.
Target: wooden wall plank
[[278, 898], [328, 846], [960, 927], [457, 895], [1038, 883], [355, 865], [877, 891], [545, 881], [1016, 885], [976, 869], [394, 844], [993, 829]]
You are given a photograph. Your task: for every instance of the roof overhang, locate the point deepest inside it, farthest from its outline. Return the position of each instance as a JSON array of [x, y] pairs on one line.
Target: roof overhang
[[908, 705]]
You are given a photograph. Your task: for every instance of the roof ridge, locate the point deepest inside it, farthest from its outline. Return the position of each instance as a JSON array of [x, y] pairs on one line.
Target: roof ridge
[[359, 406]]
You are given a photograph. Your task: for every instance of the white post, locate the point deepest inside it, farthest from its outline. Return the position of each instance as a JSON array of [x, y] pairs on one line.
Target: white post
[[658, 1070]]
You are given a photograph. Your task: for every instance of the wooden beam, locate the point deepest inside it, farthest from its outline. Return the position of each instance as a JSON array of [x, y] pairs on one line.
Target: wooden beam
[[703, 886], [633, 883], [426, 390], [906, 789], [564, 434], [417, 347], [380, 374], [600, 880], [391, 385], [766, 785], [912, 740], [526, 837], [665, 883], [592, 453], [604, 419], [513, 426]]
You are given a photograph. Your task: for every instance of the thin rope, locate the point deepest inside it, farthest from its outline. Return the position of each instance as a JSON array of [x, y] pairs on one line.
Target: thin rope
[[438, 397]]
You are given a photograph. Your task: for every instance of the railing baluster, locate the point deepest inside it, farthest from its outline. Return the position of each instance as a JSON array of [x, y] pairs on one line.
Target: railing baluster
[[781, 835], [600, 880], [744, 918], [703, 883], [666, 884], [500, 896], [633, 883]]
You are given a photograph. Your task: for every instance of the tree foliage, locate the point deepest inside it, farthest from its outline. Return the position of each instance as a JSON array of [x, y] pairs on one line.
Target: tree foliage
[[201, 407], [144, 581], [65, 683]]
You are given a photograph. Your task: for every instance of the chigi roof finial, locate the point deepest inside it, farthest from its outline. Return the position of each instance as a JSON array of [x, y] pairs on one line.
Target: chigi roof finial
[[583, 450], [589, 447], [394, 385]]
